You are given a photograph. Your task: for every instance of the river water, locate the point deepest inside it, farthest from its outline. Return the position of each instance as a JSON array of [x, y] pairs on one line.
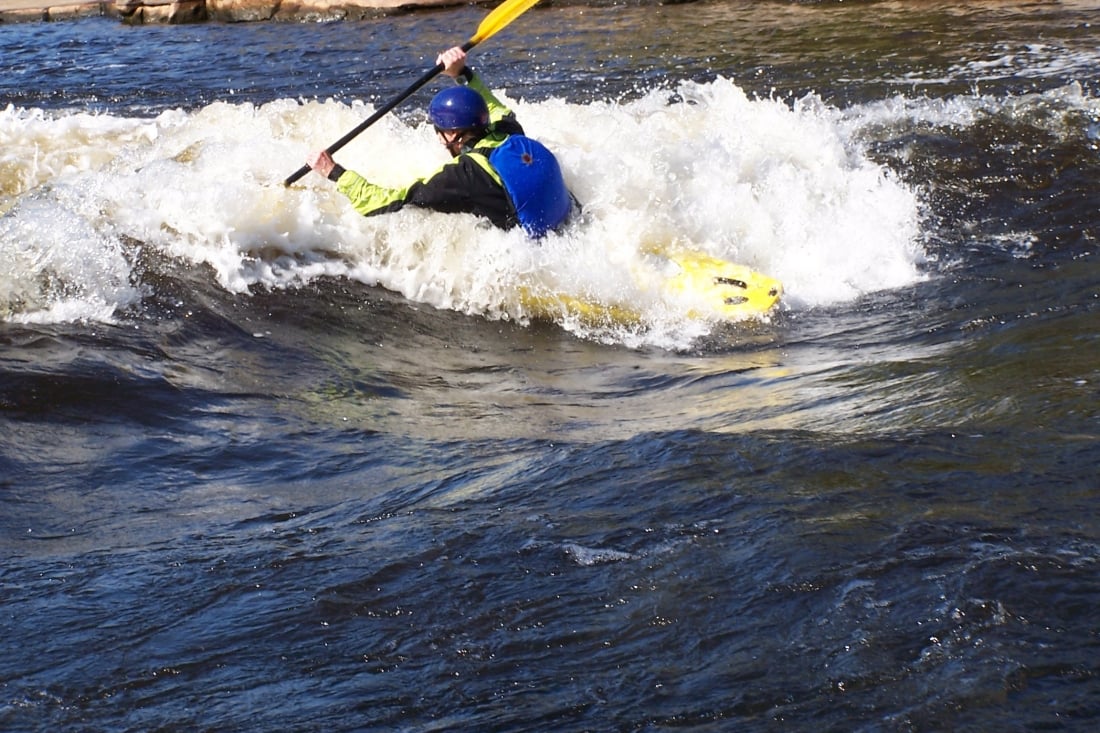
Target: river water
[[266, 464]]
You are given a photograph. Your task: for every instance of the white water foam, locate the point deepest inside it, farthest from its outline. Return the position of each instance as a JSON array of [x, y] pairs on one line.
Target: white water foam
[[779, 187]]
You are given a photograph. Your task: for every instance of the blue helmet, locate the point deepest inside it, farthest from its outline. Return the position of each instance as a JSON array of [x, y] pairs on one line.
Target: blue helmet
[[458, 108]]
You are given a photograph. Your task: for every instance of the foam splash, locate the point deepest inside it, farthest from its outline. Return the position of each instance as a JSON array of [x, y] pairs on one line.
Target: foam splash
[[56, 267], [589, 556], [775, 186]]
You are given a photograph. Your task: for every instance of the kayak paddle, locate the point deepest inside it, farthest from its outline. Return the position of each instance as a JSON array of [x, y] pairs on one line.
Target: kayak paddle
[[504, 14]]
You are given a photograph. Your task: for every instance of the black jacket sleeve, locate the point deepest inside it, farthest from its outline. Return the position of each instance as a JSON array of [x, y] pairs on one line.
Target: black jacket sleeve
[[463, 186]]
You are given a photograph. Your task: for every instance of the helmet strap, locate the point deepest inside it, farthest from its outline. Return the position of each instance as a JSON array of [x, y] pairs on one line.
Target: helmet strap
[[462, 141]]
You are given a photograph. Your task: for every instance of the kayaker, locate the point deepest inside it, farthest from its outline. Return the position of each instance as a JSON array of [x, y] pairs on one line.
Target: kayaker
[[497, 172]]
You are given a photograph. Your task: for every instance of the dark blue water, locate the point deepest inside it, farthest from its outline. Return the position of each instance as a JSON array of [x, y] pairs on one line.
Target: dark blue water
[[260, 472]]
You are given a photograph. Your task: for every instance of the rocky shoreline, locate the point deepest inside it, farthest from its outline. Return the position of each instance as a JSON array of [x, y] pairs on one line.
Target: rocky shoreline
[[137, 12]]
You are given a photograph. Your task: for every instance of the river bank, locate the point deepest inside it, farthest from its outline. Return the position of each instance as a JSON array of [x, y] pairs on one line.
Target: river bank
[[138, 12]]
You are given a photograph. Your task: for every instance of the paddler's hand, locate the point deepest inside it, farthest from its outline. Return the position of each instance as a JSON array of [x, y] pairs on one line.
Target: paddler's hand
[[321, 162], [453, 60]]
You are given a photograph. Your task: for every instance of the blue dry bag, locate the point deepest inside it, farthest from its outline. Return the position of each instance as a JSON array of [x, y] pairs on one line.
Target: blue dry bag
[[532, 178]]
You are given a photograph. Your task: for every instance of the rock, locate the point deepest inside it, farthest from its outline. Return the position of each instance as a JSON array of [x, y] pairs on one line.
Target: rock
[[23, 15], [137, 12], [75, 11], [241, 11]]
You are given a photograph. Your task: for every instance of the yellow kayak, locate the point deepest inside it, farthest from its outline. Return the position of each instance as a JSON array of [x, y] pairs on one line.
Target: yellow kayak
[[706, 287]]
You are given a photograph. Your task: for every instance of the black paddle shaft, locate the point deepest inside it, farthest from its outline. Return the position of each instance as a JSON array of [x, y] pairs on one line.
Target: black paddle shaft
[[428, 76]]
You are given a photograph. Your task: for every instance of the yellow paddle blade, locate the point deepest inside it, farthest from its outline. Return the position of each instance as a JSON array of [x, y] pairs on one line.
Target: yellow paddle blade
[[504, 14]]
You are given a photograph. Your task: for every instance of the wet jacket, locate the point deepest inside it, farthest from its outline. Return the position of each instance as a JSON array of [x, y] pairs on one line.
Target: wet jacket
[[469, 183]]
